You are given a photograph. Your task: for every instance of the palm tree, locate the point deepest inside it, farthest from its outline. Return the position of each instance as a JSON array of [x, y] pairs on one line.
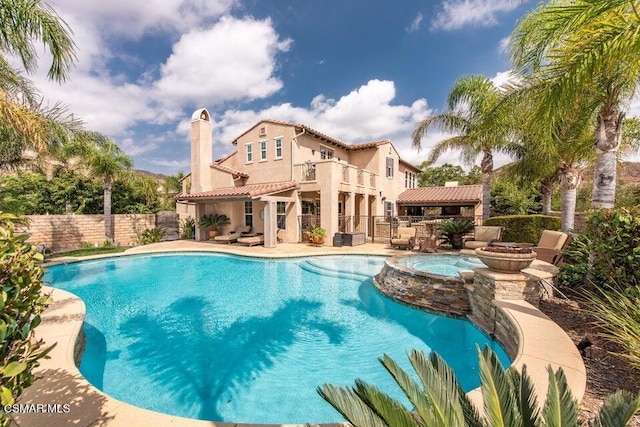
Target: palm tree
[[107, 161], [583, 46], [550, 152], [24, 123], [478, 129], [439, 400]]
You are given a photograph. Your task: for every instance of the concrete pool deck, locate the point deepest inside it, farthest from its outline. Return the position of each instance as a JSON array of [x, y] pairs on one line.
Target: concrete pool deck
[[541, 343]]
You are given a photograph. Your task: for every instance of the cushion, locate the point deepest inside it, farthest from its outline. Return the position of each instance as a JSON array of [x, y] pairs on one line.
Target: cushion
[[552, 239], [486, 233]]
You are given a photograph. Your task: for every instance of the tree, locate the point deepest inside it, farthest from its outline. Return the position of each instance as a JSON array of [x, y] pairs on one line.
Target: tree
[[584, 46], [24, 122], [438, 176], [439, 400], [549, 152], [105, 160], [477, 129]]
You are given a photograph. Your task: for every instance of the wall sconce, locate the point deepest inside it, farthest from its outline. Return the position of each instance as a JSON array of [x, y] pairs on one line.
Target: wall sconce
[[383, 199], [313, 152], [381, 194]]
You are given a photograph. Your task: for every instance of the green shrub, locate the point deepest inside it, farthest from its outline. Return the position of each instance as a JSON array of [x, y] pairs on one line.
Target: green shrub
[[575, 267], [453, 230], [21, 302], [615, 248], [151, 235], [524, 228], [617, 313], [188, 226]]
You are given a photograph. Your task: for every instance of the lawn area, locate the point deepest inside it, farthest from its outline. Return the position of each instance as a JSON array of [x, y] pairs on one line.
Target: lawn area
[[87, 252]]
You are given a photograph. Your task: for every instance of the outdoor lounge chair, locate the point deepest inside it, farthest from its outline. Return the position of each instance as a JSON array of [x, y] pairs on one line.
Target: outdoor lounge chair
[[233, 236], [482, 235], [550, 245], [405, 238], [252, 240]]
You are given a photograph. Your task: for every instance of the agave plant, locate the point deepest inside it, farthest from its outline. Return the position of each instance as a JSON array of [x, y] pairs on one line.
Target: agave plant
[[439, 400]]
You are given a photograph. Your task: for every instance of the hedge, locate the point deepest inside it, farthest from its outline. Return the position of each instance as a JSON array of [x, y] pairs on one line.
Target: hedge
[[524, 228]]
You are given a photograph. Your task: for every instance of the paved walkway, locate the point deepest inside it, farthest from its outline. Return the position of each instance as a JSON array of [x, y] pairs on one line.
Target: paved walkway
[[542, 343]]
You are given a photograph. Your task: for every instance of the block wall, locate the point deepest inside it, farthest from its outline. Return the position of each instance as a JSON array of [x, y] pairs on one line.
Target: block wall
[[68, 232]]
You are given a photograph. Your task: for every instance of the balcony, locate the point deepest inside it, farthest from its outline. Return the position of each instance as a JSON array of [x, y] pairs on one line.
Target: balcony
[[333, 173]]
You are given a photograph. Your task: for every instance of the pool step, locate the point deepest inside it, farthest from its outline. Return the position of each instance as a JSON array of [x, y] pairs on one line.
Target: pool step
[[328, 269]]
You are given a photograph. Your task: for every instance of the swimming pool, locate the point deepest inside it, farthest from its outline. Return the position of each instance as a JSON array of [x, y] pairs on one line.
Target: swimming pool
[[233, 339]]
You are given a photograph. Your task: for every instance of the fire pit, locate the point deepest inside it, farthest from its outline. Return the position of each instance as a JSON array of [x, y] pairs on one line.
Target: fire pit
[[506, 258]]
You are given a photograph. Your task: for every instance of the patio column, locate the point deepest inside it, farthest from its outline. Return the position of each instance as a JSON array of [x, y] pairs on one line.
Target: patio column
[[350, 209], [270, 225], [329, 212], [364, 212], [200, 211]]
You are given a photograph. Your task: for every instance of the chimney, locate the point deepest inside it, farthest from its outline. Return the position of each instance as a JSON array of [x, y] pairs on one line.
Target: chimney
[[451, 184], [201, 155]]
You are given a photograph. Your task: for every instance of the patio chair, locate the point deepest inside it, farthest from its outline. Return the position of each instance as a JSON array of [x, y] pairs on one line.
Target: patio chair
[[233, 236], [482, 235], [405, 238], [252, 240], [550, 246]]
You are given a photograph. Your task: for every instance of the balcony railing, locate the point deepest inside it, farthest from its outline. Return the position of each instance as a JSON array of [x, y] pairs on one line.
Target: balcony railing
[[344, 173]]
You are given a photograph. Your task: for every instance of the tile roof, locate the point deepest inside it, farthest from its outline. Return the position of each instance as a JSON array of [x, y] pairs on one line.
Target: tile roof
[[243, 192], [425, 195], [228, 170]]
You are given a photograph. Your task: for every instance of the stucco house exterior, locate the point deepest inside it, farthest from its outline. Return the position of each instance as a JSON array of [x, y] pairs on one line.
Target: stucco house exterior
[[286, 176]]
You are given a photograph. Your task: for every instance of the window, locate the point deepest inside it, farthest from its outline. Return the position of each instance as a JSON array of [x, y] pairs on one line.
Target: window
[[249, 152], [263, 150], [278, 146], [388, 209], [389, 167], [409, 179], [248, 214], [281, 215], [325, 153]]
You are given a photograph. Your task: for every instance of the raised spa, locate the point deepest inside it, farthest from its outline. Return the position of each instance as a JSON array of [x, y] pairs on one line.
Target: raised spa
[[433, 281]]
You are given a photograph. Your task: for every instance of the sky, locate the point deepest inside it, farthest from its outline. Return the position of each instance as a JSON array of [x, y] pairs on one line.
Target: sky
[[357, 70]]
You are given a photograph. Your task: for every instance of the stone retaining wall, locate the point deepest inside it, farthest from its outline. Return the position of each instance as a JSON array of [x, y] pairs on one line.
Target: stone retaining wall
[[442, 294], [67, 232]]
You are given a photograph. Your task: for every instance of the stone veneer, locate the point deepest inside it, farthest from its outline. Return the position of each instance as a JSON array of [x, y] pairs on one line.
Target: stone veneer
[[473, 294], [442, 294]]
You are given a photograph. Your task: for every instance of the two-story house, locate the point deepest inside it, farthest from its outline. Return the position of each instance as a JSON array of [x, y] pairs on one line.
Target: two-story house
[[286, 176]]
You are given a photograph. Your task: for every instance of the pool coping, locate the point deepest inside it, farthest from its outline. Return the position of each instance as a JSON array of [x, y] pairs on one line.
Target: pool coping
[[541, 342]]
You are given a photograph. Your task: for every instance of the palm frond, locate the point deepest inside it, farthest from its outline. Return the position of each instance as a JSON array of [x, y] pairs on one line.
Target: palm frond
[[392, 412], [500, 407], [350, 406], [411, 389], [441, 389], [560, 408], [526, 398], [26, 21], [618, 409]]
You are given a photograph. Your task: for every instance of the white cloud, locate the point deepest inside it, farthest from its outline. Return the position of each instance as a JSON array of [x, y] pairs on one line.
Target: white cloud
[[503, 46], [415, 24], [131, 148], [505, 78], [234, 59], [177, 165], [132, 19], [365, 114], [455, 14]]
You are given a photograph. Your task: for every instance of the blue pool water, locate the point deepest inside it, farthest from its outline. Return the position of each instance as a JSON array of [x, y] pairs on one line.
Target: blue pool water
[[442, 264], [233, 339]]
